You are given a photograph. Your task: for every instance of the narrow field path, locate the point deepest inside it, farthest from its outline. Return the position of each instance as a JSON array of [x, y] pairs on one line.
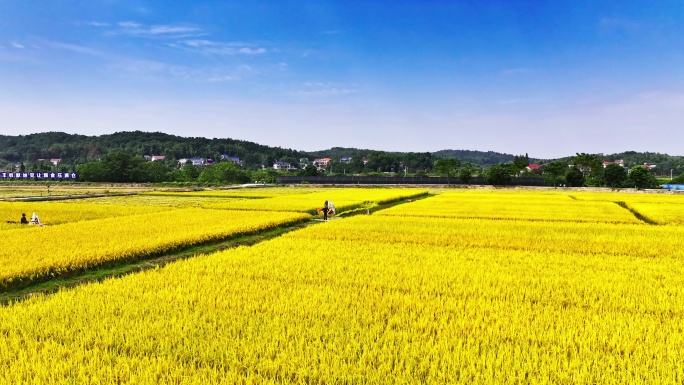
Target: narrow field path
[[636, 213]]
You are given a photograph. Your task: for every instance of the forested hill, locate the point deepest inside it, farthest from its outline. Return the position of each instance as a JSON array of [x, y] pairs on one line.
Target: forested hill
[[663, 161], [481, 158], [77, 149]]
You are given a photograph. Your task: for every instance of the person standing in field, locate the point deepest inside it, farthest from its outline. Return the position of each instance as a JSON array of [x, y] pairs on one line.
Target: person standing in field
[[24, 221], [325, 211]]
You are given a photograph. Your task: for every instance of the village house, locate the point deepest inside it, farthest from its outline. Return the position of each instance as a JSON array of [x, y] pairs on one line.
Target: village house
[[283, 166], [619, 162], [321, 163], [198, 162], [54, 161], [230, 158]]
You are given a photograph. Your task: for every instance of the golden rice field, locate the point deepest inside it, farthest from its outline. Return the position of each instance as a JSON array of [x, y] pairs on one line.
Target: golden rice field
[[663, 209], [308, 202], [57, 189], [53, 250], [161, 201], [255, 192], [538, 296], [55, 213], [528, 206]]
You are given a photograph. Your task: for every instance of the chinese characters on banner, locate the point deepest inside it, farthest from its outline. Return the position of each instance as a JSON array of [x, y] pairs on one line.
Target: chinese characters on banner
[[38, 175]]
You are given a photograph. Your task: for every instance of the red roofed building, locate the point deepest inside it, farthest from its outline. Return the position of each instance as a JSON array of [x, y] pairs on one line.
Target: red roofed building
[[321, 162]]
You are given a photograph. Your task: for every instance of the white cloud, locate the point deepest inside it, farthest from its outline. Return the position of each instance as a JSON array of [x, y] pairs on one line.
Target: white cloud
[[251, 51], [133, 28], [150, 70], [97, 24], [129, 24], [321, 89], [17, 45], [160, 29], [76, 48], [208, 47]]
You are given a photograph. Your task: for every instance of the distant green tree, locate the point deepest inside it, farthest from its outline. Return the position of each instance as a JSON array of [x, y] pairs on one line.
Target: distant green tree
[[554, 172], [614, 175], [499, 174], [268, 175], [155, 172], [188, 173], [310, 170], [465, 175], [678, 179], [574, 177], [114, 167], [590, 166], [224, 172], [520, 163], [92, 172], [122, 167], [641, 177], [447, 167]]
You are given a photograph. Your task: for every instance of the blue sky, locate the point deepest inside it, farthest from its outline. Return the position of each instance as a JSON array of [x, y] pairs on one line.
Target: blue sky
[[548, 78]]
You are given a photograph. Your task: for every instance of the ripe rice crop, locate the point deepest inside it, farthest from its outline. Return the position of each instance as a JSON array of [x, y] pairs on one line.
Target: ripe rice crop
[[54, 213], [28, 256], [521, 206], [20, 190], [344, 199], [664, 209], [256, 193], [161, 201], [376, 299], [661, 213], [560, 238]]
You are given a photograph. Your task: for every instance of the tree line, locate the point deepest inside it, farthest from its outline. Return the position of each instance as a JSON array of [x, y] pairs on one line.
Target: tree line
[[118, 158]]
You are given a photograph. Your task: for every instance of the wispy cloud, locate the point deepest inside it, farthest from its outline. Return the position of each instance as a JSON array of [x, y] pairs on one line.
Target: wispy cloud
[[17, 45], [160, 71], [132, 28], [321, 89], [209, 47], [98, 24], [76, 48], [515, 71], [332, 32]]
